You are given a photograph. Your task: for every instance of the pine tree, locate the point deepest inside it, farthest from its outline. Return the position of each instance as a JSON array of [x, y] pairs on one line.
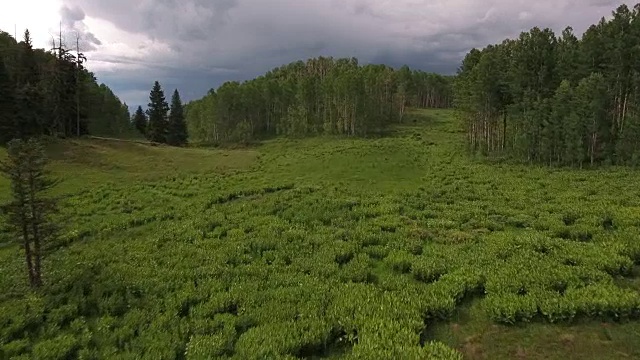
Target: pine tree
[[62, 91], [28, 71], [157, 113], [140, 121], [7, 100], [177, 127], [28, 214], [28, 97]]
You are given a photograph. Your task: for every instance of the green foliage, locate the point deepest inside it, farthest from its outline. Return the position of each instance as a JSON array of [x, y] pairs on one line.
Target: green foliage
[[210, 346], [552, 100], [109, 117], [140, 121], [177, 127], [58, 348], [157, 128], [28, 214], [319, 96], [52, 93], [7, 104], [319, 247]]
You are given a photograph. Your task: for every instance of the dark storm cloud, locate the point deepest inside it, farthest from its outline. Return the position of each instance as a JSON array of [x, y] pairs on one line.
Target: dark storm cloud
[[161, 19], [71, 15], [208, 42]]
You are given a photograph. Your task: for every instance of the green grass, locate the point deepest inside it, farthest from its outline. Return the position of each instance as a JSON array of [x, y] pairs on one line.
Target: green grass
[[83, 165], [329, 248], [478, 338]]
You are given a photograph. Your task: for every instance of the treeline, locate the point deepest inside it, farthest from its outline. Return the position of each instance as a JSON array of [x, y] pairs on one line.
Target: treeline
[[319, 96], [52, 93], [557, 100]]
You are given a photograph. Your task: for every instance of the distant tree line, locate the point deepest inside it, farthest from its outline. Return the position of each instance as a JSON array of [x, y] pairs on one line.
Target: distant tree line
[[52, 93], [557, 100], [162, 123], [319, 96]]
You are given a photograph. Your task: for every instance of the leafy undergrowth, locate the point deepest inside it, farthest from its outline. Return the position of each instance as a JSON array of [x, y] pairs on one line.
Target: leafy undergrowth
[[398, 247], [471, 332]]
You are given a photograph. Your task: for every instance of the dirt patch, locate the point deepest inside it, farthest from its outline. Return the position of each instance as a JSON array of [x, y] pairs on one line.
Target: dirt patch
[[606, 331], [520, 353], [472, 349], [567, 339]]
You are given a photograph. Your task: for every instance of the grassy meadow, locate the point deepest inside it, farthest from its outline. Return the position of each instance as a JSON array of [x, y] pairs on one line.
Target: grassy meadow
[[397, 247]]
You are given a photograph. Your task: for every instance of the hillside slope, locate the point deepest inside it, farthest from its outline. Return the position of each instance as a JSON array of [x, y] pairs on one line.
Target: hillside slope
[[87, 163]]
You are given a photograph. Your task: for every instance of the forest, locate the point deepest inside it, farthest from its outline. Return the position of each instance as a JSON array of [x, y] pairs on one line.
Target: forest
[[557, 100], [320, 96], [51, 92]]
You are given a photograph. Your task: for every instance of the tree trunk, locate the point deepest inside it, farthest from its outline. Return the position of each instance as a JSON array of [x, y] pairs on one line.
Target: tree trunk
[[29, 256], [504, 130], [35, 224], [594, 138], [624, 111]]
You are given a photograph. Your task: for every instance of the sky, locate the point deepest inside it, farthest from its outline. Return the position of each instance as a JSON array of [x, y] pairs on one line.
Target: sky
[[195, 45]]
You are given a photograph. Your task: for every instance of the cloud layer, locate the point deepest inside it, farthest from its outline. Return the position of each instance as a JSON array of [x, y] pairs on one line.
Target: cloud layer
[[194, 45], [72, 21]]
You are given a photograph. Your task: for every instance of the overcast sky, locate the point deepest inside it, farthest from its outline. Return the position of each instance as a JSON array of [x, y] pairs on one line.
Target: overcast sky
[[194, 45]]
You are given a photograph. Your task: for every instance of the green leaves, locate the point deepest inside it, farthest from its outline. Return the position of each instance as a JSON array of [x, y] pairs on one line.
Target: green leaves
[[211, 345], [158, 108], [556, 100], [176, 127], [320, 96], [511, 308], [305, 256], [140, 121], [559, 282], [60, 347]]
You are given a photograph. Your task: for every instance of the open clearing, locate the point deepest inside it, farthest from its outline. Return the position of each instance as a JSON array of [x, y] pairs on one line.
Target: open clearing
[[329, 247]]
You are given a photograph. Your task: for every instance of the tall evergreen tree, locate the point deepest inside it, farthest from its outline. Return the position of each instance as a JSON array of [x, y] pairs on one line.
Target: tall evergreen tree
[[177, 127], [28, 97], [28, 71], [7, 100], [140, 121], [157, 113], [62, 90], [28, 214]]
